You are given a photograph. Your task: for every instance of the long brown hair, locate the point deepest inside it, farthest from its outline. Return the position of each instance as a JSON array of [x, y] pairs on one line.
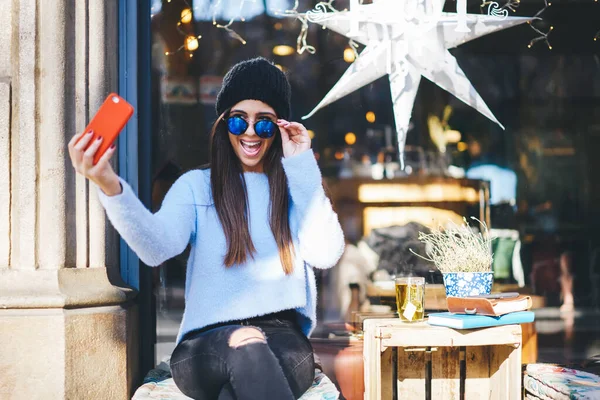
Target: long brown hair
[[231, 199]]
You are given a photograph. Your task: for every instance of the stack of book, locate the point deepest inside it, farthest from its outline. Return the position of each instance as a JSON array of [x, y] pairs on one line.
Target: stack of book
[[484, 311]]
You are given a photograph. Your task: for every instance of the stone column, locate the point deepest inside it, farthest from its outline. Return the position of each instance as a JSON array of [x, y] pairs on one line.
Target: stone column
[[67, 331]]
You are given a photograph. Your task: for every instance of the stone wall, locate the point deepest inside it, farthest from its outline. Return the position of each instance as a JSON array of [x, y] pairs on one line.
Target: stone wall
[[66, 330]]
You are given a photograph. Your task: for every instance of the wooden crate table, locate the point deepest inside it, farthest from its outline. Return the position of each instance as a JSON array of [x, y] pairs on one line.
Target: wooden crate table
[[433, 362]]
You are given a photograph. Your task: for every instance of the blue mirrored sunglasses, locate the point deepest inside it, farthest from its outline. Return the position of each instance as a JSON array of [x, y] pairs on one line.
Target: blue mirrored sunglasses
[[264, 128]]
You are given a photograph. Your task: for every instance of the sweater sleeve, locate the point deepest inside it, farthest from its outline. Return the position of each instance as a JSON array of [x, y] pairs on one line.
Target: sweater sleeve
[[156, 237], [320, 235]]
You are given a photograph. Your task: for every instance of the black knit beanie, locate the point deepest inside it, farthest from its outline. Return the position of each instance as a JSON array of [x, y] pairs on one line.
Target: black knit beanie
[[255, 79]]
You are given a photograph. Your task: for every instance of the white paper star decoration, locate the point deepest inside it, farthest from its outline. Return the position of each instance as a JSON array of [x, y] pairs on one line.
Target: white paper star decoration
[[408, 39]]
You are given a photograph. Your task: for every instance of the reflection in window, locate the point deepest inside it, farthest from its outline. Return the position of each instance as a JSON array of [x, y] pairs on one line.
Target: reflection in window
[[204, 10], [225, 10]]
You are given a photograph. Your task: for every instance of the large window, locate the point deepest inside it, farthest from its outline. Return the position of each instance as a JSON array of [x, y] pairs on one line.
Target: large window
[[540, 168]]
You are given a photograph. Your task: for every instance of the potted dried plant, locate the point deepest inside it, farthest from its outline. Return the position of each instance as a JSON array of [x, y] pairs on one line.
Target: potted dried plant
[[463, 256]]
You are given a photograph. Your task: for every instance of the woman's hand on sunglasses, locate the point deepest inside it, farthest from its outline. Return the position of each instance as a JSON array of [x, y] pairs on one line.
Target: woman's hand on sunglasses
[[294, 137]]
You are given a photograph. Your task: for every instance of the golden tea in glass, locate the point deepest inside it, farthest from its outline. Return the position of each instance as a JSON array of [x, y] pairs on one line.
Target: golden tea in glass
[[410, 298]]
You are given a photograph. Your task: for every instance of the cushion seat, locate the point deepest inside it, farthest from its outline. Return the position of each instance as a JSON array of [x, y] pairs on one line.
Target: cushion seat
[[159, 384], [555, 382]]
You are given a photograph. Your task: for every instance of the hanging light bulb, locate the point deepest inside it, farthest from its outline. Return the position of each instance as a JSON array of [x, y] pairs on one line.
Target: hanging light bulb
[[186, 16], [191, 43], [453, 136], [349, 55], [283, 50], [350, 138]]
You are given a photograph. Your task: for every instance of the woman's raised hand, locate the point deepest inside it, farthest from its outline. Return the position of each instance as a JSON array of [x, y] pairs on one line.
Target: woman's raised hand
[[102, 173], [294, 137]]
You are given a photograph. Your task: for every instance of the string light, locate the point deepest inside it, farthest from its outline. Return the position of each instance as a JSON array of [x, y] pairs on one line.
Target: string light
[[511, 5], [597, 35], [227, 26], [543, 35], [354, 47], [190, 42], [301, 44], [318, 11], [304, 18], [295, 8]]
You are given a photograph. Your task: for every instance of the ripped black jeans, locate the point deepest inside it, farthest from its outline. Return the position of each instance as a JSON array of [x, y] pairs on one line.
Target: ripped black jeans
[[275, 361]]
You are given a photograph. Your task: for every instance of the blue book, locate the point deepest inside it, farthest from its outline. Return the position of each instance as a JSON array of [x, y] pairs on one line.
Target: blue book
[[466, 321]]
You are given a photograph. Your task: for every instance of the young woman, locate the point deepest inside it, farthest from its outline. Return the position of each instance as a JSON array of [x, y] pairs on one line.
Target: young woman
[[258, 222]]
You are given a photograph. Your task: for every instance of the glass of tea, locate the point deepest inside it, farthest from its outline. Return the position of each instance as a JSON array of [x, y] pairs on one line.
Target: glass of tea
[[410, 298]]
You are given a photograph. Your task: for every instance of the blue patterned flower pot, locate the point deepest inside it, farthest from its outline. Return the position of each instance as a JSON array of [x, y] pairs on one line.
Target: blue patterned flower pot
[[463, 284]]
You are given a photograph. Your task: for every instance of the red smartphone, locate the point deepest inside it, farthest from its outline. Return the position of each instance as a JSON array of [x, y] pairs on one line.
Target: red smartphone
[[108, 122]]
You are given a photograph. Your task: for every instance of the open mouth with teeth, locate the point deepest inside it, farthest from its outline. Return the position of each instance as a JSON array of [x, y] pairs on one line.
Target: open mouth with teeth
[[251, 147]]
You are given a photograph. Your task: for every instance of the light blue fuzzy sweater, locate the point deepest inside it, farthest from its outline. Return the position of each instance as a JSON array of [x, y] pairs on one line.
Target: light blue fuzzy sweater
[[214, 293]]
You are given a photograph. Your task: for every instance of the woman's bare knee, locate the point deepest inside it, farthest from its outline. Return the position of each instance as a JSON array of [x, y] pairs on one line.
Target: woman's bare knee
[[244, 336]]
